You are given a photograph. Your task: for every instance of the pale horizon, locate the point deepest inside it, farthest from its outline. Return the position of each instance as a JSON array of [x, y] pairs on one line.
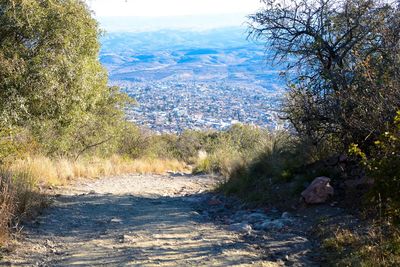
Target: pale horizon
[[191, 23], [171, 8]]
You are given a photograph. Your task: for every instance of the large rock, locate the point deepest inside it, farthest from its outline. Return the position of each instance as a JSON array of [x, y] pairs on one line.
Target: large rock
[[319, 191]]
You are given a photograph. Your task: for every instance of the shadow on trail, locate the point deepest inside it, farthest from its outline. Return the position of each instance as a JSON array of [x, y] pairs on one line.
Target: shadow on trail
[[120, 230]]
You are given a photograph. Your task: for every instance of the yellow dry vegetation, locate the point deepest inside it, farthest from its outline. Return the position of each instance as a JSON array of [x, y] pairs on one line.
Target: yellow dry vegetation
[[60, 171]]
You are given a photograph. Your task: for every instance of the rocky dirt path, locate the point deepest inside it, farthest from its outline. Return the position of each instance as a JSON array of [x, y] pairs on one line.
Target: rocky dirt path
[[157, 221]]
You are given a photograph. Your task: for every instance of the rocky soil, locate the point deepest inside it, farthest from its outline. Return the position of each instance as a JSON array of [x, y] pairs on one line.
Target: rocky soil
[[147, 220]]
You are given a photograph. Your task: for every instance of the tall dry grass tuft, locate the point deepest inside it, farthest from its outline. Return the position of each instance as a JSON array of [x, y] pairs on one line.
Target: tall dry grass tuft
[[7, 206], [19, 199], [60, 171]]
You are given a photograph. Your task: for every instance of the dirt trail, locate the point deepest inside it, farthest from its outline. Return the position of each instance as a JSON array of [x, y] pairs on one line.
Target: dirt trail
[[146, 221]]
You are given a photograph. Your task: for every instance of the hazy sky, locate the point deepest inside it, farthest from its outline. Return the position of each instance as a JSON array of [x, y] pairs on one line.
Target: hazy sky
[[156, 8]]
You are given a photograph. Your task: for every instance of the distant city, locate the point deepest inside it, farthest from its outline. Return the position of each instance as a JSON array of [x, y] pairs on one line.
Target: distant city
[[194, 80], [174, 107]]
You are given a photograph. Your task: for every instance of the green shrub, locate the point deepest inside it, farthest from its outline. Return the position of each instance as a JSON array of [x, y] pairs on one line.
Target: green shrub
[[227, 151], [383, 165], [274, 163]]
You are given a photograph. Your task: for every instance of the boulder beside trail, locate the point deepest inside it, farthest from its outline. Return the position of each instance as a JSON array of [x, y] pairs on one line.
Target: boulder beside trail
[[318, 191]]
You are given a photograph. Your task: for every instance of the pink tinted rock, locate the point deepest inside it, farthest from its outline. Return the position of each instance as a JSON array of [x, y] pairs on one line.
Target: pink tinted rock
[[319, 191]]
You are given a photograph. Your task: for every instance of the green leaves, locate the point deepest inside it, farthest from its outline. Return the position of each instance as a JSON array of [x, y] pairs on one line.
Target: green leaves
[[51, 80], [383, 165]]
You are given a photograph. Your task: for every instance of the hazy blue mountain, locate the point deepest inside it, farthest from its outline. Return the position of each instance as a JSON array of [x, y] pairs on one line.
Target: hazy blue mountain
[[187, 55]]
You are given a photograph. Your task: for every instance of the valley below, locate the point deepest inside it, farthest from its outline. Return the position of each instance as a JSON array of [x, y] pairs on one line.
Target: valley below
[[194, 79]]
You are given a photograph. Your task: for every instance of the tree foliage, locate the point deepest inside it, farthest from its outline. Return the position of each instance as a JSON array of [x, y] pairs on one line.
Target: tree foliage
[[51, 81], [344, 70]]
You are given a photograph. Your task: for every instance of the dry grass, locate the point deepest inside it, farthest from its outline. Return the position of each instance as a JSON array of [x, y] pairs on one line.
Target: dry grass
[[6, 208], [222, 161], [379, 246], [342, 239], [19, 199], [61, 171]]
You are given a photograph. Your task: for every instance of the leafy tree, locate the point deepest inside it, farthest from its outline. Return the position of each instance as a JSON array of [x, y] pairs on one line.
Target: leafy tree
[[51, 80], [343, 65]]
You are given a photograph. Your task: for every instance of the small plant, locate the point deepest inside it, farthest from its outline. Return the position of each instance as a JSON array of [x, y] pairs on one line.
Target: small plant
[[378, 245], [343, 239]]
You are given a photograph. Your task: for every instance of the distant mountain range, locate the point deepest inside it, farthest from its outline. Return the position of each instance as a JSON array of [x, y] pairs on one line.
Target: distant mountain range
[[223, 54]]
